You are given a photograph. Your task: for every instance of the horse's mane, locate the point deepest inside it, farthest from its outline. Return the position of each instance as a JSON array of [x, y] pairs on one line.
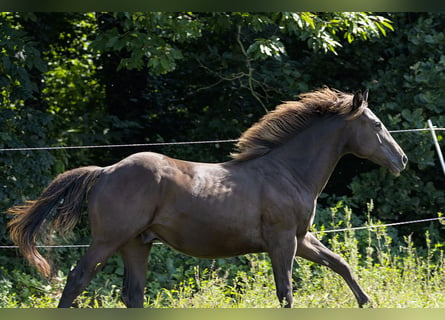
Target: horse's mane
[[292, 117]]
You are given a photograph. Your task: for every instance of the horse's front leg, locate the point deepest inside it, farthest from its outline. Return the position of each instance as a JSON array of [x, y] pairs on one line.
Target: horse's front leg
[[312, 249], [282, 253]]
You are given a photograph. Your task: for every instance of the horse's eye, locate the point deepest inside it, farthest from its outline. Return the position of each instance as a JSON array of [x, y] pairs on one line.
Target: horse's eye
[[378, 125]]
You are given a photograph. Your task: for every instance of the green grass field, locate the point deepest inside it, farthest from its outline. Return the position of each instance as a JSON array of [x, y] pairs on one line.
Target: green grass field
[[393, 276]]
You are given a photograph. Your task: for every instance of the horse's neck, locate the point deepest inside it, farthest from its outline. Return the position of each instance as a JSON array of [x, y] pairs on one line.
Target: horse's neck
[[312, 155]]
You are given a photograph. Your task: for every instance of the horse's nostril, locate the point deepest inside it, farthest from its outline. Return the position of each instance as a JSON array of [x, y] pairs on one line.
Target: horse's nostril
[[404, 159]]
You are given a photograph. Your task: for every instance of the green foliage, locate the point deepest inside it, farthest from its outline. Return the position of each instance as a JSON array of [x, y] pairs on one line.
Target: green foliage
[[19, 57], [22, 174], [323, 32], [111, 78], [149, 39]]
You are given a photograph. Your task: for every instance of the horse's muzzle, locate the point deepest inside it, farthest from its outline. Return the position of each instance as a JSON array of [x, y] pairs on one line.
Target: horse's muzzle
[[398, 167]]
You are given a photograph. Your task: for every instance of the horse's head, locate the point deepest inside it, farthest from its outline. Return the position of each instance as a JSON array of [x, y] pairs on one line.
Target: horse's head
[[371, 140]]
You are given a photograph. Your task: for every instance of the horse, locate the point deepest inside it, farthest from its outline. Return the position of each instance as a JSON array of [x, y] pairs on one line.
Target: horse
[[261, 200]]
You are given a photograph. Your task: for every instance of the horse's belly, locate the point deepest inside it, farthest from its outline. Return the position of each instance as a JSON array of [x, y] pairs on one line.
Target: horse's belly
[[206, 241]]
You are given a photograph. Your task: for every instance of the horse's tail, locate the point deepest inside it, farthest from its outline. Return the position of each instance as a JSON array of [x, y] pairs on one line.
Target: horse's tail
[[66, 194]]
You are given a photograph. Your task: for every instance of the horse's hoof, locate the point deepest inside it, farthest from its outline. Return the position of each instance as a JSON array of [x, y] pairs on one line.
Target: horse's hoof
[[368, 304]]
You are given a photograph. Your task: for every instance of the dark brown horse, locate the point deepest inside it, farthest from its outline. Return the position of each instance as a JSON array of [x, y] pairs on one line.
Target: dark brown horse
[[261, 201]]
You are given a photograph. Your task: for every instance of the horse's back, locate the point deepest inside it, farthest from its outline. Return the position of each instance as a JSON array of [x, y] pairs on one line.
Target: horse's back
[[145, 182]]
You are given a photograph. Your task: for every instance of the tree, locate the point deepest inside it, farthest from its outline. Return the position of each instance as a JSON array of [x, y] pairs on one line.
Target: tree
[[186, 58]]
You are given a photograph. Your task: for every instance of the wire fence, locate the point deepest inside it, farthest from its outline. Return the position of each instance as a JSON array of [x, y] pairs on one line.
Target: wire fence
[[131, 145], [158, 144], [431, 129], [314, 232]]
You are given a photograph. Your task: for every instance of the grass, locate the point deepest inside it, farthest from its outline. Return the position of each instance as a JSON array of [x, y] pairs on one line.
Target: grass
[[407, 282], [394, 277]]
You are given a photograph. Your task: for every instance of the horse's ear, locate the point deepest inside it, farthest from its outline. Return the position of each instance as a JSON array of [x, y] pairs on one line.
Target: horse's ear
[[359, 99], [365, 95]]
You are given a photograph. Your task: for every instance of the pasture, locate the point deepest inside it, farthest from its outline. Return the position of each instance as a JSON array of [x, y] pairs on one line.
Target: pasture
[[395, 275]]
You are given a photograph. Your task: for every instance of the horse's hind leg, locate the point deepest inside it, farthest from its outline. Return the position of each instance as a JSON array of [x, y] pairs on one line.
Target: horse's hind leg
[[87, 267], [312, 249], [135, 256]]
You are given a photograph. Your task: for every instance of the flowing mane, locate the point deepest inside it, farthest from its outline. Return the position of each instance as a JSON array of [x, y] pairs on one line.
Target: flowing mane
[[291, 117]]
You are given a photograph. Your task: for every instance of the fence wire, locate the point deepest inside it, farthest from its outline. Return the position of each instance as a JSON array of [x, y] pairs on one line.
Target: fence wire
[[314, 232], [131, 145], [160, 144]]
